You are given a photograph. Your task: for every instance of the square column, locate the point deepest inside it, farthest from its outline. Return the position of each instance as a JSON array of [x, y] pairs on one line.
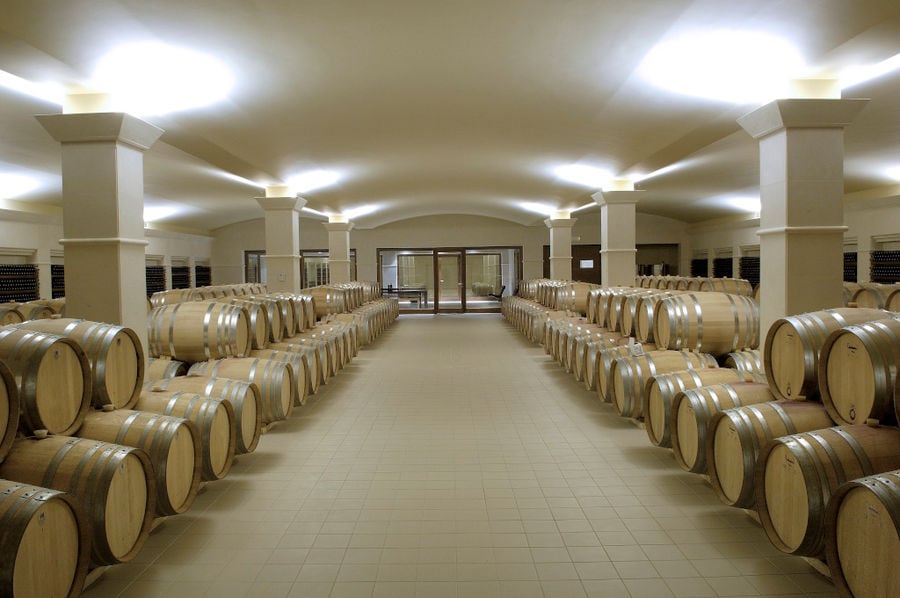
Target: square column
[[339, 269], [560, 247], [103, 215], [282, 241], [801, 181], [618, 253]]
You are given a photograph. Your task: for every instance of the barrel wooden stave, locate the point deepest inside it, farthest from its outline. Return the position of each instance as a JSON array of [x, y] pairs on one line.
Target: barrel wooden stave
[[629, 375], [160, 368], [275, 380], [198, 331], [112, 483], [9, 410], [712, 322]]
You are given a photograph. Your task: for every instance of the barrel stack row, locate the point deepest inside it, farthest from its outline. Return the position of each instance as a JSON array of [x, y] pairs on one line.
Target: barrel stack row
[[806, 436]]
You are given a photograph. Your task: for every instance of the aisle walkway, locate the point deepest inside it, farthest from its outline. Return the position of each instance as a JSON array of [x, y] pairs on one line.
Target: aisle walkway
[[454, 458]]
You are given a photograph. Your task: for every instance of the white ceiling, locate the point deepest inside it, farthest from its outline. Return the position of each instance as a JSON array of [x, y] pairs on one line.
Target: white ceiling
[[433, 107]]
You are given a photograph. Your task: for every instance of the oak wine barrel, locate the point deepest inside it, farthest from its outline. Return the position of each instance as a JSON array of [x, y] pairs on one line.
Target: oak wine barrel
[[159, 368], [243, 396], [41, 526], [53, 378], [629, 375], [715, 323], [797, 474], [114, 353], [172, 443], [10, 314], [112, 483], [793, 345], [9, 410], [862, 536], [692, 410], [749, 361], [275, 380], [198, 331], [874, 296]]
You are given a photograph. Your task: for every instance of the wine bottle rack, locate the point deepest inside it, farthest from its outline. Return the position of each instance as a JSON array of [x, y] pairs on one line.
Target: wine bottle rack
[[700, 267], [181, 277], [749, 269], [19, 282], [156, 279], [57, 281], [203, 276], [884, 267], [850, 263], [723, 267]]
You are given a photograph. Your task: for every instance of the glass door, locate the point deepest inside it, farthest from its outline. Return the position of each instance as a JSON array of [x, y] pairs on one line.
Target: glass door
[[450, 277]]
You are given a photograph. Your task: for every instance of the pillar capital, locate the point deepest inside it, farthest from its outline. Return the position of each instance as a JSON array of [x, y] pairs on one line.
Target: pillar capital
[[560, 222], [806, 113], [287, 203], [338, 227], [604, 198], [117, 127]]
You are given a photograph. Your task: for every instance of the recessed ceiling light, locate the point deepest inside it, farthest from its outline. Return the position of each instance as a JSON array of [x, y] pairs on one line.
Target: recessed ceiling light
[[582, 174], [312, 179], [152, 78], [735, 66], [16, 185]]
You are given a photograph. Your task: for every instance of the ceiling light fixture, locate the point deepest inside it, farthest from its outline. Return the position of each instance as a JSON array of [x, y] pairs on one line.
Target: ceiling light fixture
[[152, 78], [584, 175], [740, 67], [312, 180]]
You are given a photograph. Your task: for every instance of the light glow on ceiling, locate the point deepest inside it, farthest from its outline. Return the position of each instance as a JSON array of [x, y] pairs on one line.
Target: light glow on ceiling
[[593, 204], [312, 180], [359, 211], [42, 91], [312, 211], [860, 74], [894, 173], [741, 67], [157, 213], [15, 185], [538, 208], [745, 203], [582, 174], [153, 78]]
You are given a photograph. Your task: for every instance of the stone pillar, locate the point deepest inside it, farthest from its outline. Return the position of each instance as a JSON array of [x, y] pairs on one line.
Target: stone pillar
[[103, 215], [560, 247], [801, 156], [282, 239], [618, 252], [339, 264]]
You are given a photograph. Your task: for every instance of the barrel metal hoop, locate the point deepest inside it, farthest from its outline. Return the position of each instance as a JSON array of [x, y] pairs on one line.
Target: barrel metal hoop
[[47, 482], [861, 455]]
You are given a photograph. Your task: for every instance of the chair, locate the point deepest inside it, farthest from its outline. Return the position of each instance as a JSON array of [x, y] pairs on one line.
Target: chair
[[497, 296]]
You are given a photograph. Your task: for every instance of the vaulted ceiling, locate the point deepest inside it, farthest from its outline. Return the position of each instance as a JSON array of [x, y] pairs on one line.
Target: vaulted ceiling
[[426, 107]]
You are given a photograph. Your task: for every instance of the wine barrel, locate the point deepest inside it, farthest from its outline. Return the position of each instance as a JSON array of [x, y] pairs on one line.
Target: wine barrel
[[198, 331], [793, 345], [574, 296], [259, 320], [632, 305], [9, 410], [872, 295], [692, 410], [114, 353], [298, 361], [858, 371], [660, 391], [243, 396], [41, 526], [317, 358], [285, 311], [715, 323], [172, 443], [862, 536], [604, 361], [736, 436], [35, 311], [849, 290], [53, 378], [159, 368], [275, 380], [113, 484], [892, 303], [734, 286], [797, 474], [213, 417], [630, 374], [749, 361], [10, 314]]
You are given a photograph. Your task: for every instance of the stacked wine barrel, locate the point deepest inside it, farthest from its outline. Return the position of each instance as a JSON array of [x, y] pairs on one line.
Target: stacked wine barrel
[[803, 432]]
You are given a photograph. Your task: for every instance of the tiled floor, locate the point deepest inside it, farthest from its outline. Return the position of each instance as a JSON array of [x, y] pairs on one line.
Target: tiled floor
[[454, 458]]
